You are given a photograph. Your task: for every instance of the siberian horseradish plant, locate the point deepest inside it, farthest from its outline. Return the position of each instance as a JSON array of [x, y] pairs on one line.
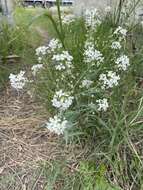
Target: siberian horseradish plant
[[81, 77]]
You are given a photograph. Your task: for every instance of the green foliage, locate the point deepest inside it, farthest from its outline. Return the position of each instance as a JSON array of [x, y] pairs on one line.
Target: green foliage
[[34, 19], [112, 136], [87, 177], [20, 40], [14, 41], [94, 178], [52, 174]]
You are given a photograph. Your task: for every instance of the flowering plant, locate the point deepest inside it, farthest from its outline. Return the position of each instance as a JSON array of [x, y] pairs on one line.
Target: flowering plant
[[82, 74], [90, 78]]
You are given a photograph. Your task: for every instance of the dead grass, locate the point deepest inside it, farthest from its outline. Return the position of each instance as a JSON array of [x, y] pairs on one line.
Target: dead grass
[[25, 144]]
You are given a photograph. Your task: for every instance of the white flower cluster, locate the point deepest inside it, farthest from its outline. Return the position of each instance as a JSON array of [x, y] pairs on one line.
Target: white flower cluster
[[109, 80], [57, 125], [102, 104], [123, 62], [42, 50], [36, 68], [89, 42], [62, 100], [18, 81], [39, 60], [86, 83], [108, 9], [62, 61], [121, 31], [116, 45], [54, 44], [68, 19], [91, 55], [92, 18]]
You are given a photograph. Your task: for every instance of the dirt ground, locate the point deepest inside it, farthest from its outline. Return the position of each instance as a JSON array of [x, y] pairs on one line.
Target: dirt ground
[[25, 143]]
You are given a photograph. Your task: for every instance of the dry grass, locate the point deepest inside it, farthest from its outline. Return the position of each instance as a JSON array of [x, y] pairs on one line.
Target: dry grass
[[25, 144]]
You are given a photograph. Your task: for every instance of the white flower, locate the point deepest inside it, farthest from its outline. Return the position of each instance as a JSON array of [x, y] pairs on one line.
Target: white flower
[[39, 59], [63, 61], [123, 62], [64, 56], [57, 125], [86, 83], [89, 43], [121, 31], [36, 68], [92, 18], [60, 67], [67, 19], [18, 81], [91, 54], [54, 44], [109, 80], [116, 45], [42, 50], [62, 100], [107, 9], [102, 104]]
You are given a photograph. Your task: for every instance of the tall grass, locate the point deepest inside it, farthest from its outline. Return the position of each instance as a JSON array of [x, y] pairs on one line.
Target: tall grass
[[21, 39]]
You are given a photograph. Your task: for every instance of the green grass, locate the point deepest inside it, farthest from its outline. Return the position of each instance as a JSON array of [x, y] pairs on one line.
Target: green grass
[[34, 18], [32, 29], [37, 29], [86, 177]]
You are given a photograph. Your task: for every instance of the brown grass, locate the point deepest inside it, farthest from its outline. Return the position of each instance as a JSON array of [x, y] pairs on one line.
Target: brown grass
[[25, 144]]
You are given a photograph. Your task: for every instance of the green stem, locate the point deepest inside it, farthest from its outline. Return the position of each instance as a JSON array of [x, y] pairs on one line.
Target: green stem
[[60, 21], [56, 28]]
